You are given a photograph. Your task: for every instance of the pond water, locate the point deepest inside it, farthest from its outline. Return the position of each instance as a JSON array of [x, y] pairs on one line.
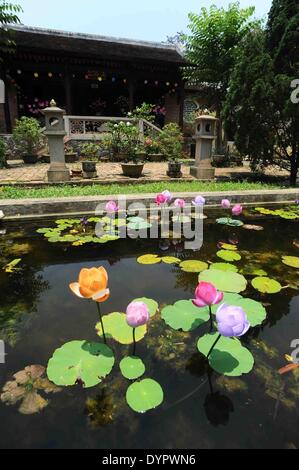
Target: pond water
[[39, 314]]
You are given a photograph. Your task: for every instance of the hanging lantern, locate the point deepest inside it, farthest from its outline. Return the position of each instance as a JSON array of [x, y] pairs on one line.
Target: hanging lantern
[[100, 78], [86, 77], [125, 80], [50, 74], [145, 82], [19, 72], [167, 83], [156, 82], [36, 75], [113, 79]]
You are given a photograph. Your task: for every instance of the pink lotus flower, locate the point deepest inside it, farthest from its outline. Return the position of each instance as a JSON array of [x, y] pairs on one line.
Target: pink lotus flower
[[180, 203], [237, 210], [160, 199], [225, 203], [137, 314], [206, 295], [168, 196], [112, 207]]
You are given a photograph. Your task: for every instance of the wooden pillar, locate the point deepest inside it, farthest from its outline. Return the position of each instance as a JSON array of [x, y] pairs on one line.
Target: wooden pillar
[[182, 103], [131, 86], [68, 91]]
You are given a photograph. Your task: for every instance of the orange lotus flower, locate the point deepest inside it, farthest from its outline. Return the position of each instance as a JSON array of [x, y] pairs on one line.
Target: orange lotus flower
[[92, 284]]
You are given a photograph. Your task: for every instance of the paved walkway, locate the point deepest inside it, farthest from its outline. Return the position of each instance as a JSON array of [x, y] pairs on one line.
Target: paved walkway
[[111, 172]]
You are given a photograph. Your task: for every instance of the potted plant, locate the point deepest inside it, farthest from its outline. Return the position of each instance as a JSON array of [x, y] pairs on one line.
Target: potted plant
[[89, 152], [171, 144], [134, 163], [70, 155], [3, 163], [153, 149], [27, 138]]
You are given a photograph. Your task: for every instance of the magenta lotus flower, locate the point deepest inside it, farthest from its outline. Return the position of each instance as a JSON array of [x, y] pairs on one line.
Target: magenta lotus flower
[[206, 295], [180, 203], [237, 210], [199, 201], [168, 196], [160, 199], [225, 203], [137, 314], [232, 321], [112, 207]]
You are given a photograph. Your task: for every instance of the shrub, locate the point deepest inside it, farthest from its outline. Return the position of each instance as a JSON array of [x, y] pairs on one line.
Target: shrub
[[27, 136], [171, 141], [2, 153], [90, 150]]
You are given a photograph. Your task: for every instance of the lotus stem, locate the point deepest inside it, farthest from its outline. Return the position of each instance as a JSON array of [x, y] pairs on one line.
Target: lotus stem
[[134, 342], [101, 320], [211, 318], [209, 353]]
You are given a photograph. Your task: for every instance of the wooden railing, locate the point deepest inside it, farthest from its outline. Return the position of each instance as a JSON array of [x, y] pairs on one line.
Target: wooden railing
[[93, 127]]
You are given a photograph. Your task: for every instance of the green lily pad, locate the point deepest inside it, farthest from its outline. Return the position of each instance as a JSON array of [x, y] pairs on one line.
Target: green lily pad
[[80, 362], [12, 266], [144, 395], [227, 246], [230, 222], [228, 255], [116, 327], [266, 285], [224, 281], [229, 357], [152, 305], [183, 315], [193, 266], [224, 267], [252, 270], [132, 367], [149, 259], [292, 261], [170, 260], [254, 310]]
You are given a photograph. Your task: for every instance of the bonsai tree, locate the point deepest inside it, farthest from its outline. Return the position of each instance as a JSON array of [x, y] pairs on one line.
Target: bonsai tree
[[3, 163], [171, 141], [125, 139], [27, 136], [90, 151]]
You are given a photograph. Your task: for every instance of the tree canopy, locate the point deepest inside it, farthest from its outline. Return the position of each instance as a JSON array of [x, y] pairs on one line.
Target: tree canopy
[[8, 15]]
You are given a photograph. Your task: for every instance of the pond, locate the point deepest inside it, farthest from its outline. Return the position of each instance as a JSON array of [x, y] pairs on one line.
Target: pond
[[202, 408]]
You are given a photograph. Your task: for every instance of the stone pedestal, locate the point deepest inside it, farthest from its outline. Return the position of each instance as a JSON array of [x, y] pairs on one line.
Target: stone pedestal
[[204, 136], [55, 131]]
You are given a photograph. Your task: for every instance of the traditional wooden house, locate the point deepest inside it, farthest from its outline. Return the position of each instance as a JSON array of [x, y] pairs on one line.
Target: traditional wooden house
[[90, 75]]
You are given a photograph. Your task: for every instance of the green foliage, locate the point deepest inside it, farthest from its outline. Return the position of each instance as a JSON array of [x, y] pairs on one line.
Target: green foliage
[[2, 153], [183, 315], [171, 141], [266, 285], [144, 111], [8, 16], [211, 46], [144, 395], [90, 150], [116, 327], [225, 281], [125, 138], [132, 367], [27, 135]]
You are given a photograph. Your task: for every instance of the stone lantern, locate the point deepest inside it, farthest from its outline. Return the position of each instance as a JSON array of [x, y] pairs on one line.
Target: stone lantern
[[205, 134], [55, 131]]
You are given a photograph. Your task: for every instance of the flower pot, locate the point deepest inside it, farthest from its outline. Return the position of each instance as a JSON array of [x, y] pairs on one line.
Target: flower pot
[[155, 157], [30, 159], [174, 170], [89, 170], [71, 157], [132, 170]]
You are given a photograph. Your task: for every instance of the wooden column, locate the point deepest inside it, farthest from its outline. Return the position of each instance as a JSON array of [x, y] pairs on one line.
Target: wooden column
[[68, 91], [131, 86]]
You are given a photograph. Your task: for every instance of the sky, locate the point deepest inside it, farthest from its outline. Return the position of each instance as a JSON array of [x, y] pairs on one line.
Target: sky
[[151, 20]]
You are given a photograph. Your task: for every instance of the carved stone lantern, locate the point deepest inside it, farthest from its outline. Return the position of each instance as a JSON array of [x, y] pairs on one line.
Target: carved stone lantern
[[205, 134]]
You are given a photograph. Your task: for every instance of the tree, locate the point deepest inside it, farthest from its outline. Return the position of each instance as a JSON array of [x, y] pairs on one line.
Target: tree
[[259, 104], [8, 15], [211, 48]]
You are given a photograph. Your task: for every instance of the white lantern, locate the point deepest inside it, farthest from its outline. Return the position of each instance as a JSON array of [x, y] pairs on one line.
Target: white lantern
[[2, 92]]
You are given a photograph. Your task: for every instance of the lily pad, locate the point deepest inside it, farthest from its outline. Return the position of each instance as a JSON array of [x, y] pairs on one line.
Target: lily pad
[[254, 310], [224, 281], [116, 327], [80, 362], [227, 255], [149, 259], [12, 266], [227, 246], [132, 367], [229, 357], [144, 395], [183, 315], [292, 261], [193, 266], [266, 285], [230, 222], [170, 260], [253, 270], [151, 304], [224, 267]]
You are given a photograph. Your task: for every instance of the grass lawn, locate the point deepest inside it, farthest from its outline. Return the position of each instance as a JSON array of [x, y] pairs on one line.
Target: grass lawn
[[14, 192]]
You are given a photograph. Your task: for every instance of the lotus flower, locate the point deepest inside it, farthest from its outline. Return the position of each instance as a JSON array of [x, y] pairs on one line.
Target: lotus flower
[[137, 314], [199, 201], [92, 284], [180, 203], [168, 196], [237, 210], [160, 199], [225, 203], [112, 207], [232, 321], [206, 295]]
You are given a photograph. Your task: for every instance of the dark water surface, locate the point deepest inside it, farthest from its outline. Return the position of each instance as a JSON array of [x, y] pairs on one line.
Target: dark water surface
[[39, 314]]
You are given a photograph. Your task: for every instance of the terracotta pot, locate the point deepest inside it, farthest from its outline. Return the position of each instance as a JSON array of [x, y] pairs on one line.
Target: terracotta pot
[[132, 170]]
